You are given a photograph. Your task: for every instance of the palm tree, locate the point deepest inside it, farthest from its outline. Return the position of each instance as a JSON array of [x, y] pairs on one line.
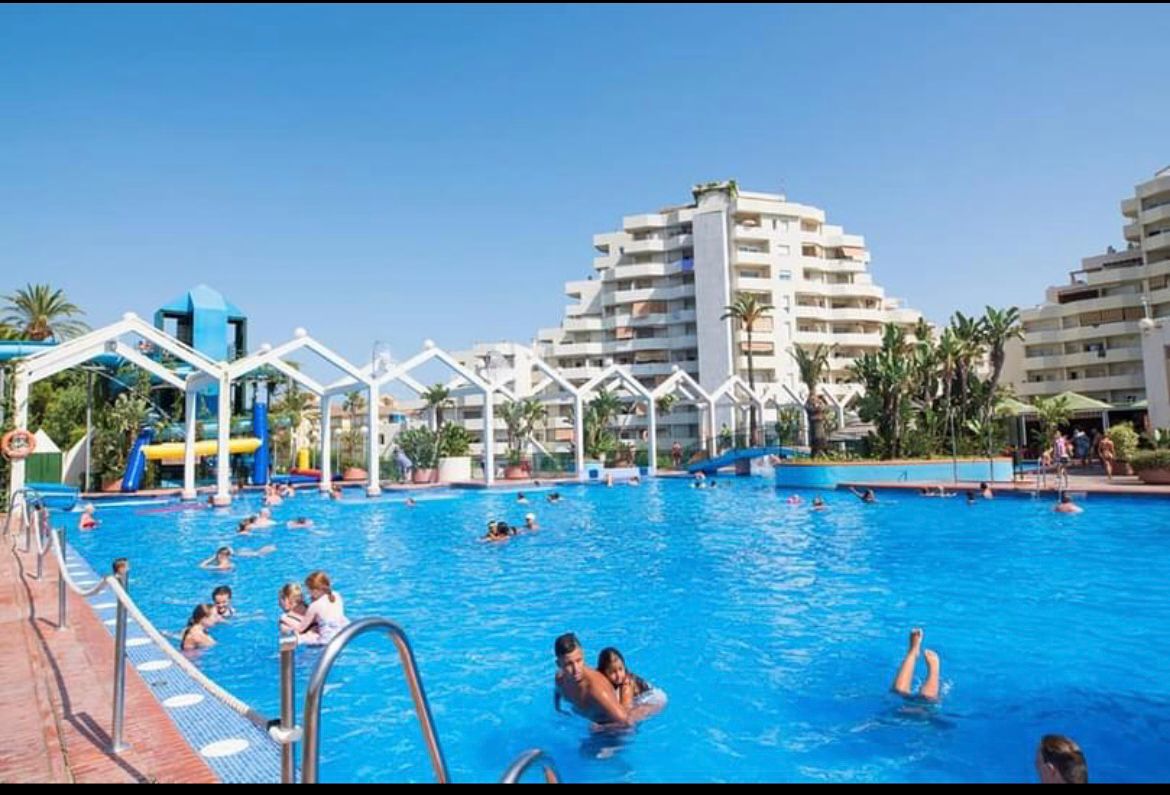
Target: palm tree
[[969, 338], [999, 326], [748, 309], [38, 312], [812, 368], [521, 418], [295, 406], [437, 398], [353, 405], [599, 413]]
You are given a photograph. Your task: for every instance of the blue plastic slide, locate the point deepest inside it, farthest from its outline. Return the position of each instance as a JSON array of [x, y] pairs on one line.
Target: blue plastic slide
[[260, 457], [136, 462]]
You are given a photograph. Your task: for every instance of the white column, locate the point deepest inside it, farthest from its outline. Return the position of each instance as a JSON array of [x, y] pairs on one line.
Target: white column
[[652, 449], [20, 421], [579, 435], [489, 443], [712, 443], [223, 459], [326, 464], [191, 397], [375, 485]]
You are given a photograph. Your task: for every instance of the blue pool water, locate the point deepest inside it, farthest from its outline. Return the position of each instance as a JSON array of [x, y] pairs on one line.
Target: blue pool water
[[775, 631]]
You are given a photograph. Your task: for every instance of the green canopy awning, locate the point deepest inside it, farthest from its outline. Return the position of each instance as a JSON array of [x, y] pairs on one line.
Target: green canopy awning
[[1010, 407], [1079, 402]]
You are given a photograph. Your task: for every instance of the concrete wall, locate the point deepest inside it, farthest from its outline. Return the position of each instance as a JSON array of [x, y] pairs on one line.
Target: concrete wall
[[828, 476]]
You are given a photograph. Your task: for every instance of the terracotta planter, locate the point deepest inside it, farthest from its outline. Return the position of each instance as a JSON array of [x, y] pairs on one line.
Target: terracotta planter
[[1159, 476], [113, 485], [423, 476], [454, 468], [1122, 468], [517, 472], [354, 473]]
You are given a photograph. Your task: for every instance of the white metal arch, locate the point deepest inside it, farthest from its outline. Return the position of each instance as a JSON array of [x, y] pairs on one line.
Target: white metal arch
[[275, 357], [107, 339], [616, 372]]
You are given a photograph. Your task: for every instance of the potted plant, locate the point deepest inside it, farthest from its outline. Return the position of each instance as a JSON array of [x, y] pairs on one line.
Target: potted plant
[[1125, 445], [421, 446], [1152, 466], [520, 418], [454, 445]]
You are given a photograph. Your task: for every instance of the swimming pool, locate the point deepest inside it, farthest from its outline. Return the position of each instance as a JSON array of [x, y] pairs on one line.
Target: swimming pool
[[775, 631]]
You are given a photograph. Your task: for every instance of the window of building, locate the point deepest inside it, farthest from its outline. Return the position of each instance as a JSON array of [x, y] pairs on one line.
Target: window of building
[[785, 275]]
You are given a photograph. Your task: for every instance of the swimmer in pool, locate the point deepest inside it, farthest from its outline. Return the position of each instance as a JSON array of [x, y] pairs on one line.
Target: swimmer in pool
[[588, 690], [300, 523], [631, 690], [905, 676]]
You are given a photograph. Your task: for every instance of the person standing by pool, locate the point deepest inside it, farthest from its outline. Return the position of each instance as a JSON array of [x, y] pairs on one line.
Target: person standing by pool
[[405, 465], [326, 610], [587, 689], [1060, 448], [1082, 444], [1107, 452], [904, 679], [676, 454], [1059, 760]]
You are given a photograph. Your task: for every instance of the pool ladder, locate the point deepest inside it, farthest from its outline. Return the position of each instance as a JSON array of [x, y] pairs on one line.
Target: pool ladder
[[286, 732]]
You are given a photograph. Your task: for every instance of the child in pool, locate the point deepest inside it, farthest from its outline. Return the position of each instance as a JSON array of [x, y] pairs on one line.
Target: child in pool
[[627, 685], [292, 603]]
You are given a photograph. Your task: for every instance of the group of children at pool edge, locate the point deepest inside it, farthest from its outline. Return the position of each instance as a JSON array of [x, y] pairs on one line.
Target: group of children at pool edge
[[610, 695]]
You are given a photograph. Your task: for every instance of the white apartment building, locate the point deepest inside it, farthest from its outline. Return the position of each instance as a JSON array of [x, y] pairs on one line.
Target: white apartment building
[[1088, 335], [661, 284]]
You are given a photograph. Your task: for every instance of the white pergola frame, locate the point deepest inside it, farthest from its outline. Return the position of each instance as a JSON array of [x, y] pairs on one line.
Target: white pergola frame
[[680, 381], [401, 372], [274, 358], [553, 376], [746, 395], [107, 339], [616, 372]]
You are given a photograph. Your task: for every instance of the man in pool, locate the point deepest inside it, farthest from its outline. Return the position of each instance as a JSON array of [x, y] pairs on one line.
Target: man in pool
[[1066, 505], [905, 676], [864, 496], [587, 689], [1059, 760]]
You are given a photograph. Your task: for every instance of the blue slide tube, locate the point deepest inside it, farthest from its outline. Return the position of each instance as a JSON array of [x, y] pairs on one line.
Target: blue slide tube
[[136, 462]]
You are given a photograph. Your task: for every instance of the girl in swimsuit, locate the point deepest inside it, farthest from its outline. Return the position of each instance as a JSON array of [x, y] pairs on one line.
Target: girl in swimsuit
[[631, 690]]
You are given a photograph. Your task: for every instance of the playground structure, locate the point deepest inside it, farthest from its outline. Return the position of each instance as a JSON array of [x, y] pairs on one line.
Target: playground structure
[[208, 376]]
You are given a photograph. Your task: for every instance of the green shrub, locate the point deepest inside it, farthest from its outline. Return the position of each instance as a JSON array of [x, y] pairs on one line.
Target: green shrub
[[1125, 440], [454, 441], [421, 446], [1150, 459]]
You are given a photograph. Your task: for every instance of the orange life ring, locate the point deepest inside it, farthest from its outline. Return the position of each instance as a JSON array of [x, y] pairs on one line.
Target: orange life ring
[[18, 444]]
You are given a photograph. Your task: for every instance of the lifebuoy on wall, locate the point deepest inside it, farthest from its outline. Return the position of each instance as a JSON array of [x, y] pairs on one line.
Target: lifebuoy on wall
[[18, 444]]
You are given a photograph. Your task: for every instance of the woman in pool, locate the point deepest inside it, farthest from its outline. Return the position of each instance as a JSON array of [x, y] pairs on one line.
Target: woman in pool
[[327, 611], [300, 523], [221, 560], [553, 496], [263, 520], [631, 690], [818, 504], [195, 635], [499, 531]]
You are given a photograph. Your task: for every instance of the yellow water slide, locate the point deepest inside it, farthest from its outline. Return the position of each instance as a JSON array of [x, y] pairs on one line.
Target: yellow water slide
[[173, 451]]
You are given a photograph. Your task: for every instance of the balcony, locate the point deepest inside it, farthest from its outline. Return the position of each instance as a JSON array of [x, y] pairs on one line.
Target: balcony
[[650, 294], [1082, 359], [1155, 214], [1083, 385], [751, 257], [1159, 242], [650, 245], [584, 323], [644, 221], [1083, 332], [754, 284]]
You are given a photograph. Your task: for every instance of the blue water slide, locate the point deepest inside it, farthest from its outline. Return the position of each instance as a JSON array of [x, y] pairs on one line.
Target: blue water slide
[[711, 465], [136, 461], [260, 457]]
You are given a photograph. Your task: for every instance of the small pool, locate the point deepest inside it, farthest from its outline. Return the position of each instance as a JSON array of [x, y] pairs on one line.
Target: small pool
[[776, 631]]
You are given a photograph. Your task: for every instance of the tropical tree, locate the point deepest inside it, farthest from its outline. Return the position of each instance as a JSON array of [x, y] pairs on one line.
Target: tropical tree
[[666, 403], [437, 398], [294, 407], [521, 418], [38, 312], [748, 309], [812, 366], [599, 413], [353, 405], [1053, 413], [887, 377]]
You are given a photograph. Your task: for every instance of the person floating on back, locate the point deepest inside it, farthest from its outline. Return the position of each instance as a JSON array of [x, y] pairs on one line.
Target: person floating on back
[[904, 679], [1059, 760]]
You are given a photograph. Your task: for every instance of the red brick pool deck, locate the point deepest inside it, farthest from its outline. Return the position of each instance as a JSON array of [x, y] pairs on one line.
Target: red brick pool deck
[[58, 694]]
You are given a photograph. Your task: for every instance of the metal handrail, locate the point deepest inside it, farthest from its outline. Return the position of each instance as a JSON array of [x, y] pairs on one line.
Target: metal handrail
[[525, 761], [311, 748], [24, 505], [128, 610]]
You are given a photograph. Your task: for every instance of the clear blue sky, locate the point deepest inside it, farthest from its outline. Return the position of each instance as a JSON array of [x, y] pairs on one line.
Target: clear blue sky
[[402, 173]]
